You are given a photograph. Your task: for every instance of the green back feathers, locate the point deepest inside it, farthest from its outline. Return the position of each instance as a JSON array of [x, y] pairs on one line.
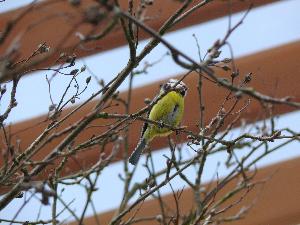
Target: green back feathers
[[168, 110]]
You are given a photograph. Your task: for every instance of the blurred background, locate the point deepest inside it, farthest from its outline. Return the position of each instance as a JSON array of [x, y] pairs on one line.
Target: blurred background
[[266, 44]]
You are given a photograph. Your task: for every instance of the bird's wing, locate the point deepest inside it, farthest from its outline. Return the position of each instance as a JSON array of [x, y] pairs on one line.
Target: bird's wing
[[162, 110], [144, 128]]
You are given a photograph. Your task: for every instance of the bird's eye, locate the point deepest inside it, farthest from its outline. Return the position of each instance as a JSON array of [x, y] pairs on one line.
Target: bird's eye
[[166, 87], [183, 92]]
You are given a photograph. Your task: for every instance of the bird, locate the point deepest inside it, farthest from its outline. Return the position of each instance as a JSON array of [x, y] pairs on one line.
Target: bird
[[168, 109]]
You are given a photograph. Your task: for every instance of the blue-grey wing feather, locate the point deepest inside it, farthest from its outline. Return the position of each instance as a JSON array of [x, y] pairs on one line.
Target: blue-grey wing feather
[[145, 125]]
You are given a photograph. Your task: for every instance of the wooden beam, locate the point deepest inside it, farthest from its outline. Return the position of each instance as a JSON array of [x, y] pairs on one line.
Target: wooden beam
[[57, 22], [275, 73], [277, 202]]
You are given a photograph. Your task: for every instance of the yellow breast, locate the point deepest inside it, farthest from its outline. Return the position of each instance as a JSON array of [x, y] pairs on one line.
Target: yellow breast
[[168, 110]]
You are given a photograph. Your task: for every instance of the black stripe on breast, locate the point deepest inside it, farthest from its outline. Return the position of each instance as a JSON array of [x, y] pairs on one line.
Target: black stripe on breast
[[175, 110]]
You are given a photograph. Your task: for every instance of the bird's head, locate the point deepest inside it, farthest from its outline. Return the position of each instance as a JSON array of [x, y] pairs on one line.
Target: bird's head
[[175, 85]]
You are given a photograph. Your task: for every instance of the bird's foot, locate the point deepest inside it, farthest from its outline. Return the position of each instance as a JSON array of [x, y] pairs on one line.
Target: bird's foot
[[180, 129]]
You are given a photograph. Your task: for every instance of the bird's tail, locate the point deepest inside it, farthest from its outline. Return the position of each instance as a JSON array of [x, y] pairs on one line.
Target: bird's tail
[[134, 158]]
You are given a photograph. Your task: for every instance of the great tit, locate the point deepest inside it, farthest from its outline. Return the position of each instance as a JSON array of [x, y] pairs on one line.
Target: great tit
[[168, 110]]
